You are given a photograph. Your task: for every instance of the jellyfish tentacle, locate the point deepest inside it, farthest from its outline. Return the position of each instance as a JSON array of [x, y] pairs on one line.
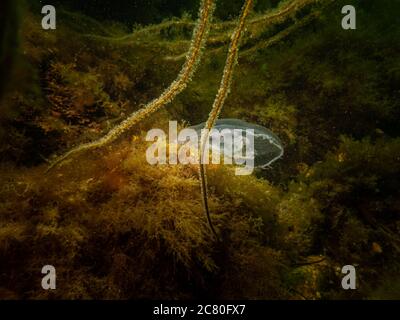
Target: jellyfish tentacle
[[219, 101], [193, 58]]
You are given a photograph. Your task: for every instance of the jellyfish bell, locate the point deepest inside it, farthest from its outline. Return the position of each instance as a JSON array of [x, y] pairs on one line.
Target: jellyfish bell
[[266, 147]]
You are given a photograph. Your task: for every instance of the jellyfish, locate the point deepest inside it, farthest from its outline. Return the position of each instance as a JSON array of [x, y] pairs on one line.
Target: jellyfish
[[267, 148]]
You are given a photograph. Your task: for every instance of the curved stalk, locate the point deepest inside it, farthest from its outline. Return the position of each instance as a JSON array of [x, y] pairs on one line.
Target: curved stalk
[[192, 60], [219, 101]]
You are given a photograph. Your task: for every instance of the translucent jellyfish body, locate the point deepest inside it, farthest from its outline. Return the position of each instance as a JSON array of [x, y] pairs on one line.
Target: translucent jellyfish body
[[266, 147]]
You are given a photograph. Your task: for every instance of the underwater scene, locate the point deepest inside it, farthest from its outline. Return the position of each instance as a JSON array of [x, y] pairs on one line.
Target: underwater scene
[[200, 149]]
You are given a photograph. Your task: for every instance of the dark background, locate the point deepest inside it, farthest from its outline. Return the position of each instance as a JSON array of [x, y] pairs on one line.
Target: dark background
[[150, 11]]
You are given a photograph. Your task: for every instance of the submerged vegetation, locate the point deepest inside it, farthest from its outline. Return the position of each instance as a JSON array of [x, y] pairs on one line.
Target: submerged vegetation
[[116, 227]]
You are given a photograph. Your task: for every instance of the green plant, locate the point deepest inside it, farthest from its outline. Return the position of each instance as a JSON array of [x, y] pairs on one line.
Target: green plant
[[193, 58]]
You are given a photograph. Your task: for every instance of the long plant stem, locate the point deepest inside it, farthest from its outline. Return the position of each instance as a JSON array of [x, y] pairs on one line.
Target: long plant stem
[[192, 61], [219, 101]]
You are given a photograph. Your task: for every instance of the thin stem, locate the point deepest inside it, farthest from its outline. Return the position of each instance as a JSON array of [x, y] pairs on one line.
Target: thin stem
[[192, 61], [219, 101]]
